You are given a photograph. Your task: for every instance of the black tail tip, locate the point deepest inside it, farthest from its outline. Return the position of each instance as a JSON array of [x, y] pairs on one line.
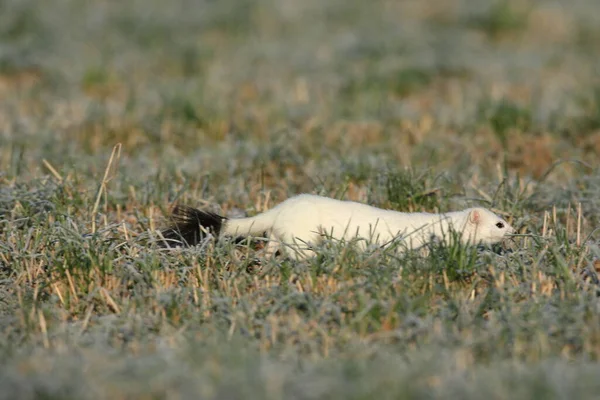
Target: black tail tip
[[189, 226]]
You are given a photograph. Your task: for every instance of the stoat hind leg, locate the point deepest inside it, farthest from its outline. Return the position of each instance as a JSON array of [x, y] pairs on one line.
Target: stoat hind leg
[[272, 247], [295, 251], [302, 246]]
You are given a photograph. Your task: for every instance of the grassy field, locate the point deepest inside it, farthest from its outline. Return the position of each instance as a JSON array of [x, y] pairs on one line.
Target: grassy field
[[110, 112]]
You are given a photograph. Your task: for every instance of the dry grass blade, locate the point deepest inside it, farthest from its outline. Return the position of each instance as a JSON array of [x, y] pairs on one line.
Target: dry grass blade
[[115, 156]]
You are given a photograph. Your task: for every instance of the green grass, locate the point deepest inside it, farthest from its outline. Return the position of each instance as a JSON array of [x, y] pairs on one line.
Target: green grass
[[236, 105], [502, 18], [506, 118]]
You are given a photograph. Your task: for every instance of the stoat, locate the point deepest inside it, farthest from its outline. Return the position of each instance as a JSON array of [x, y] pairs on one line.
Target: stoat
[[302, 221]]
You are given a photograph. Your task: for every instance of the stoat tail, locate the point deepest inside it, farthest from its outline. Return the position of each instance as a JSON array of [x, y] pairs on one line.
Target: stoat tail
[[189, 226]]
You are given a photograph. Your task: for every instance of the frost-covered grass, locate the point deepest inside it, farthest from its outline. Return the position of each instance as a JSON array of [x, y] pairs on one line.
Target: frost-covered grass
[[113, 111]]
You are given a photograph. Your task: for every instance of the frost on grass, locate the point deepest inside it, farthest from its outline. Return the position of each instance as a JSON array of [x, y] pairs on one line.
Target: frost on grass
[[232, 107]]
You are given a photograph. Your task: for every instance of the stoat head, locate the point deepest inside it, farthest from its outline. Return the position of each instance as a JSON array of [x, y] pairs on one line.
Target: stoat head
[[483, 226]]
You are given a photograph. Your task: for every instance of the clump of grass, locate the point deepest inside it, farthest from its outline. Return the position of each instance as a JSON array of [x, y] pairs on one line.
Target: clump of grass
[[21, 23], [589, 121], [401, 83], [587, 37], [372, 89], [97, 80], [408, 190], [409, 80], [454, 260], [505, 117], [501, 19]]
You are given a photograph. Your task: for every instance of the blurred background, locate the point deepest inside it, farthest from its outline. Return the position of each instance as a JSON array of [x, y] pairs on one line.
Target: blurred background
[[197, 85]]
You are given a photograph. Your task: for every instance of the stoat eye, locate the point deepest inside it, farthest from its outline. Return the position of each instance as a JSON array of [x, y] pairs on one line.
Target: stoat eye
[[500, 225]]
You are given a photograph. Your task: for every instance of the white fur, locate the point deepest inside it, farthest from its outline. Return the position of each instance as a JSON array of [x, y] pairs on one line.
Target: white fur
[[304, 220]]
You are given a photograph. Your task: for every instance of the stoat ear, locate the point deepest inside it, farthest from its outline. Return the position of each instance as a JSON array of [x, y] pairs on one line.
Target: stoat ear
[[474, 216]]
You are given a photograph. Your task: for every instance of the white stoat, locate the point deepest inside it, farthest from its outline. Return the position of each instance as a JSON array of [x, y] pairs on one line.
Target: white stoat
[[301, 221]]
